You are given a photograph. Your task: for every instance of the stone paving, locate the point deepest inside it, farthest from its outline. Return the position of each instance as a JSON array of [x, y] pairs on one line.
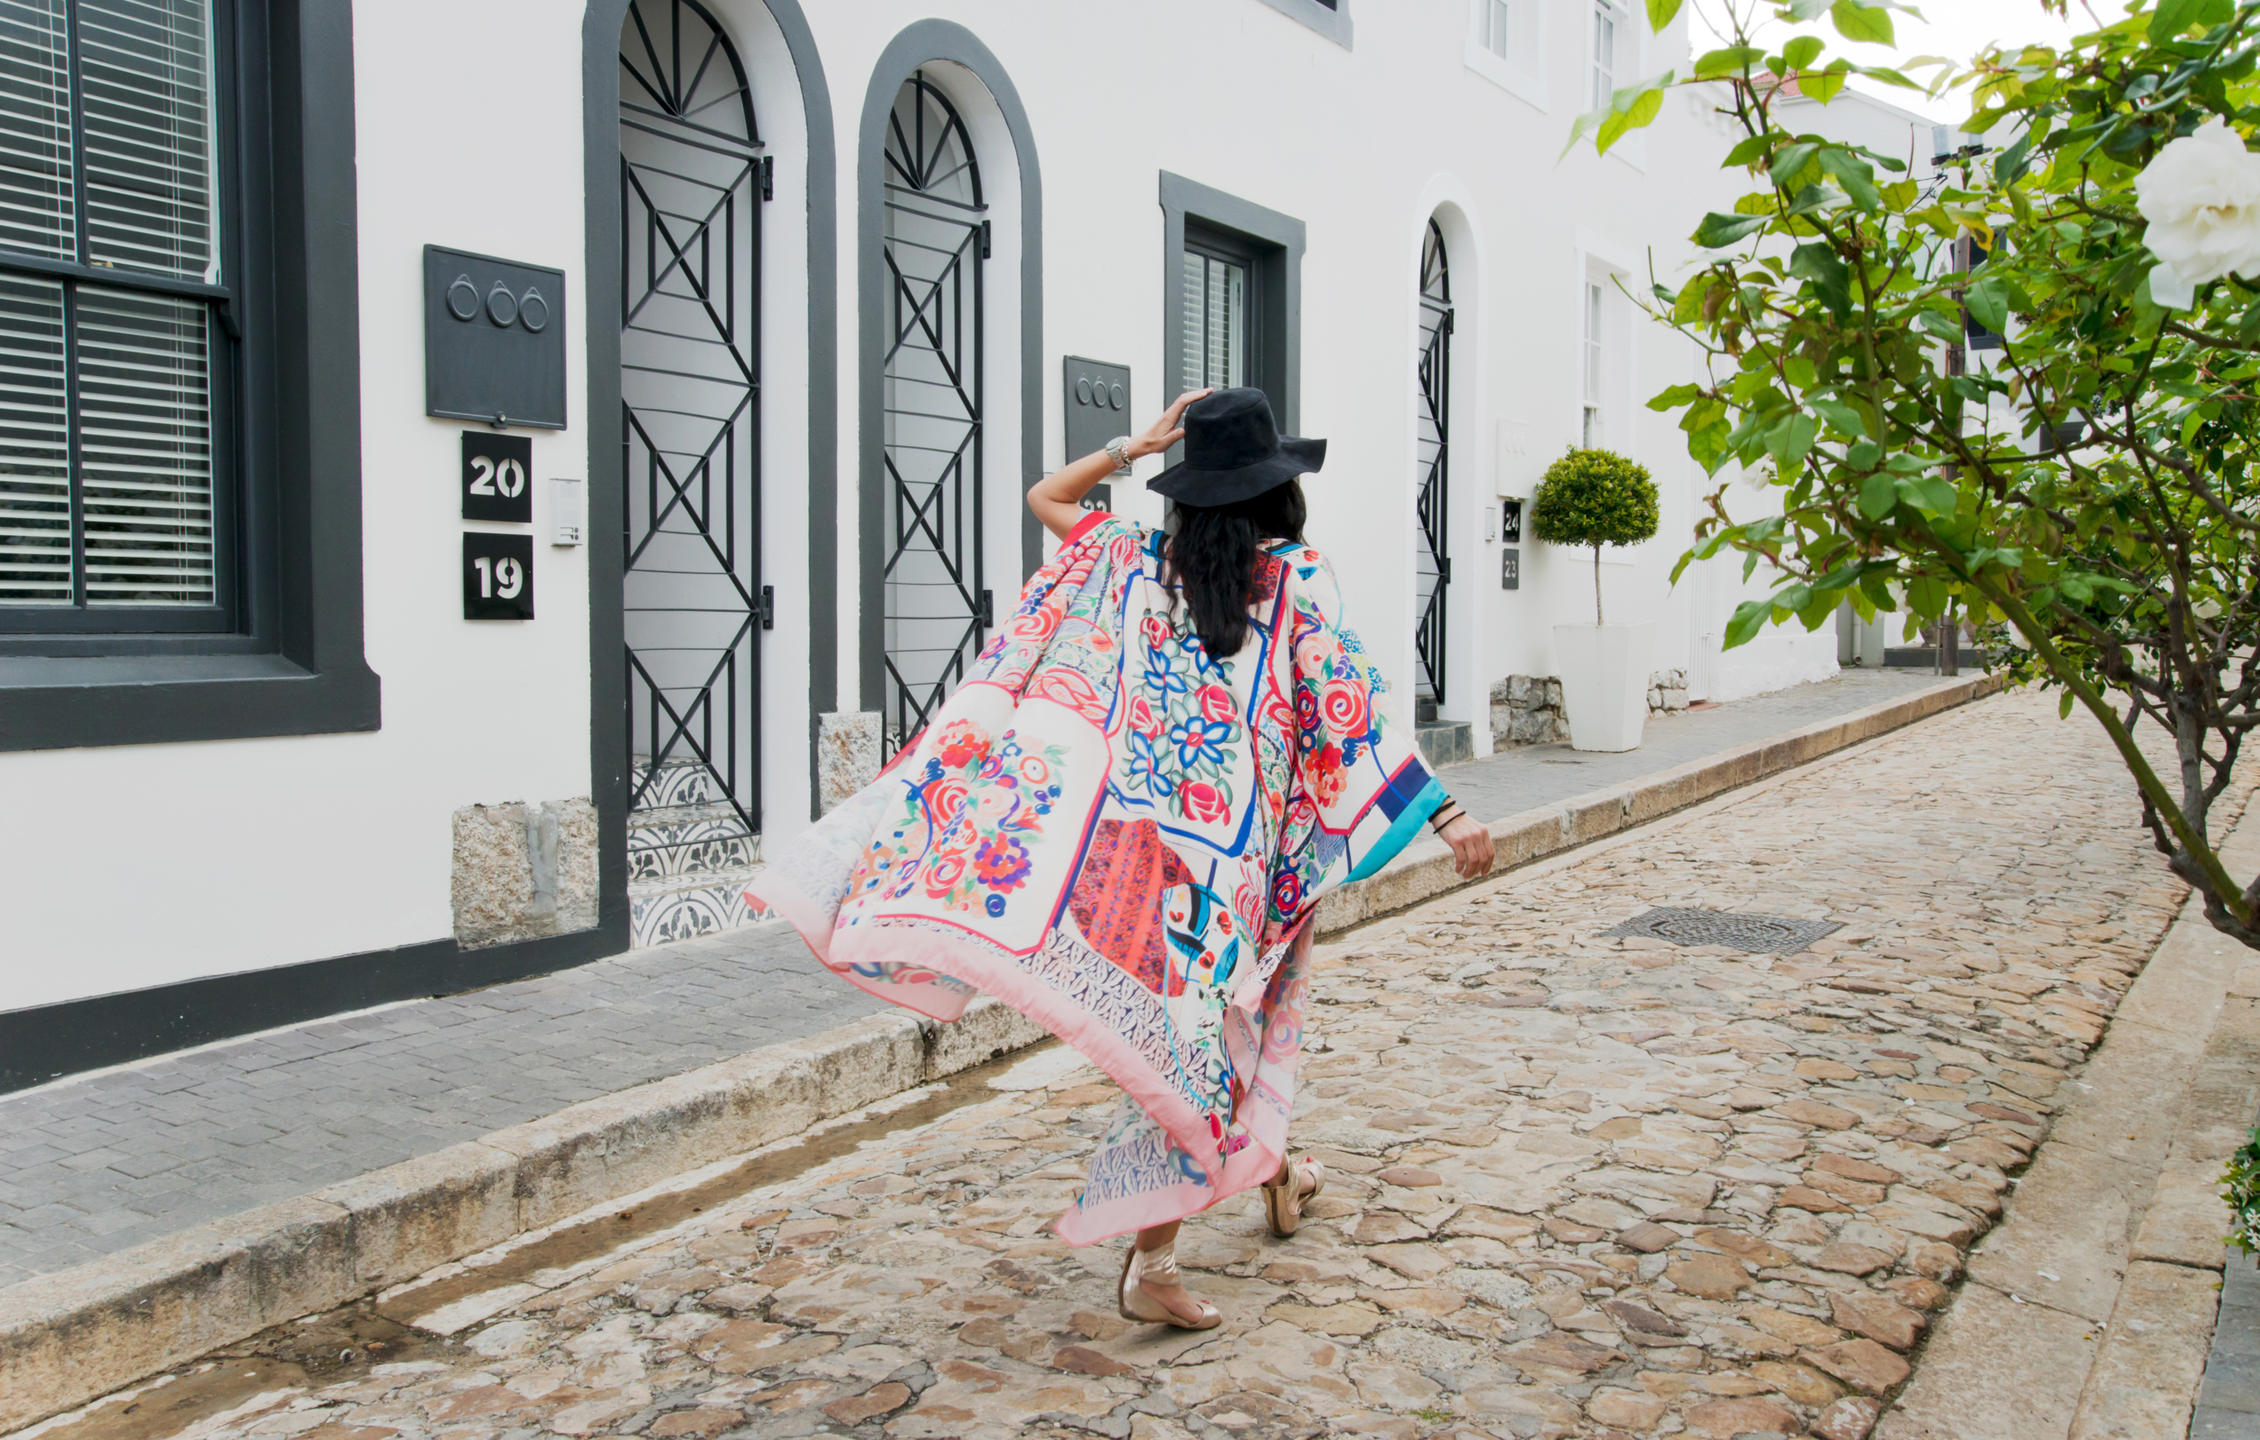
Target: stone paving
[[1584, 1186], [94, 1165]]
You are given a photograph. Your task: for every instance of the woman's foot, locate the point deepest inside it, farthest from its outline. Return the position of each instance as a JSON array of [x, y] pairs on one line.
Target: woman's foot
[[1283, 1196], [1152, 1290]]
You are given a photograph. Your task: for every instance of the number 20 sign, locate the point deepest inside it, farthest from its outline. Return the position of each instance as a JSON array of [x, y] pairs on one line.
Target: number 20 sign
[[498, 477], [498, 576]]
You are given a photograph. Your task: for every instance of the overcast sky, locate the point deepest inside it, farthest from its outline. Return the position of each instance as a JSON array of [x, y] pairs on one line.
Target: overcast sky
[[1957, 29]]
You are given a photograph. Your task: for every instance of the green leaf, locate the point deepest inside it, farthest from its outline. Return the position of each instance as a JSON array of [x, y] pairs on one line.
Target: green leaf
[[1868, 23], [1791, 160], [1939, 495], [1864, 456], [2172, 17], [1878, 494], [2012, 163], [1839, 414], [1801, 52], [1854, 174], [1888, 76], [1945, 327], [1719, 231], [1807, 9], [1646, 104], [1822, 86], [1749, 618], [1791, 440], [1989, 304], [2064, 706], [1676, 396], [1732, 60], [1831, 281], [1660, 13]]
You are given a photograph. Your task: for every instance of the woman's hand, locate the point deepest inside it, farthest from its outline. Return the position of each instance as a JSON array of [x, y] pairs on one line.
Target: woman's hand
[[1471, 847], [1166, 431], [1057, 499]]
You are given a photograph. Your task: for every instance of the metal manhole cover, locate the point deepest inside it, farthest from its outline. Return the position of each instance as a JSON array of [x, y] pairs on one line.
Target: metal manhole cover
[[1752, 934]]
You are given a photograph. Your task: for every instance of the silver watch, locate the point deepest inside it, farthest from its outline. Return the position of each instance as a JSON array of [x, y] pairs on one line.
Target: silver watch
[[1118, 450]]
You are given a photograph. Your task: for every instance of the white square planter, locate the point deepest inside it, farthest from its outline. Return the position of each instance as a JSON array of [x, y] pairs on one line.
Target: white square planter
[[1604, 683]]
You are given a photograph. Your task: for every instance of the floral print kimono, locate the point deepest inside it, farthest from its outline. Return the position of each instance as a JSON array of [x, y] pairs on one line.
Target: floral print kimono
[[1124, 838]]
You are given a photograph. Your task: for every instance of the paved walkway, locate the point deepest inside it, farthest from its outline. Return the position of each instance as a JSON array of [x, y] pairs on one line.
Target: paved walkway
[[93, 1165], [1584, 1185]]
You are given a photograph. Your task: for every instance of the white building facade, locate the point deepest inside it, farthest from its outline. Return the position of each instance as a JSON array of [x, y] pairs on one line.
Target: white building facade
[[701, 350]]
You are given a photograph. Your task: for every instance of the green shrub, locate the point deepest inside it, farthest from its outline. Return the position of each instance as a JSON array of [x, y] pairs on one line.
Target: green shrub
[[2240, 1186], [1596, 498]]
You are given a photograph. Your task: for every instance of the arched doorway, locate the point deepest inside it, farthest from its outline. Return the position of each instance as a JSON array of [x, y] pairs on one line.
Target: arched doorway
[[693, 177], [933, 242], [1432, 560]]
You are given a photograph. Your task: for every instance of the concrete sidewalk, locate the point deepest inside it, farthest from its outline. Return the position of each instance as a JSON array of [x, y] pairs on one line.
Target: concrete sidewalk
[[95, 1164]]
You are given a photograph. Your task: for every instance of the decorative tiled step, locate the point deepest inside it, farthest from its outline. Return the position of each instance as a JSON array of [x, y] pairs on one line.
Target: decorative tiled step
[[680, 782], [684, 907], [1446, 742], [686, 839]]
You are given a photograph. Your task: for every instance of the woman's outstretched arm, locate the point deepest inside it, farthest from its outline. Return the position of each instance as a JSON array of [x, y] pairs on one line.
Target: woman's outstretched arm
[[1057, 497]]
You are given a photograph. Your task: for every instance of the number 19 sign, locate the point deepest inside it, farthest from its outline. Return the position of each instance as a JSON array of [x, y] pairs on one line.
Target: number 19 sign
[[498, 576]]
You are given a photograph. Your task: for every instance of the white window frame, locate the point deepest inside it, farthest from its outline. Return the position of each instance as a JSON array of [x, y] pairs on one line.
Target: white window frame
[[1522, 71], [1610, 267], [1627, 66], [1594, 353]]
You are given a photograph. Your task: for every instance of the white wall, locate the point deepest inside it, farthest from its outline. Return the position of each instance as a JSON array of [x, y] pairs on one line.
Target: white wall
[[139, 866]]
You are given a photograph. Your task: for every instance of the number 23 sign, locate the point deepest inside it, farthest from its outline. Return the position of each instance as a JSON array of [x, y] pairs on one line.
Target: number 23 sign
[[498, 477], [498, 576]]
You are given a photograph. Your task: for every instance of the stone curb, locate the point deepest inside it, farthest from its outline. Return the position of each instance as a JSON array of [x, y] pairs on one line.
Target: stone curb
[[72, 1336]]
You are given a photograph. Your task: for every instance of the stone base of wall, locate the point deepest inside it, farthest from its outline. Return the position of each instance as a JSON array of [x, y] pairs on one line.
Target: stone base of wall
[[1667, 692], [847, 754], [524, 870], [1527, 710]]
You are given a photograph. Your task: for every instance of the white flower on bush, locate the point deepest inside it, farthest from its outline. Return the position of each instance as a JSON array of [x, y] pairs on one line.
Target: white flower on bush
[[2201, 195]]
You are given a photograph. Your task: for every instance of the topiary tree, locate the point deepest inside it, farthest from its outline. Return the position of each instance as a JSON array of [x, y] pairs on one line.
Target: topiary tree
[[1596, 498]]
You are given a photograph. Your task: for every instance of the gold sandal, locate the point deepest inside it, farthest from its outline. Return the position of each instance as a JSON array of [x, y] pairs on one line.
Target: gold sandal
[[1159, 1266], [1283, 1199]]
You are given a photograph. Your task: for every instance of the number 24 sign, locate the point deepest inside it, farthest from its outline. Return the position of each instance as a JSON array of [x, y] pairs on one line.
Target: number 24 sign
[[498, 576], [498, 477]]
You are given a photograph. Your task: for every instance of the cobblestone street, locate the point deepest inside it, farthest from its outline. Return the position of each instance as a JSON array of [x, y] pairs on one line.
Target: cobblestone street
[[1582, 1185]]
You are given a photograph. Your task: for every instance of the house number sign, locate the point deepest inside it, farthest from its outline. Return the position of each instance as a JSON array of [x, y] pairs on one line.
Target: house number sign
[[498, 477], [498, 576]]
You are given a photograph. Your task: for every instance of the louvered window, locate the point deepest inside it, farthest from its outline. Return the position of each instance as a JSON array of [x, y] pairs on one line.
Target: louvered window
[[115, 324], [1216, 321]]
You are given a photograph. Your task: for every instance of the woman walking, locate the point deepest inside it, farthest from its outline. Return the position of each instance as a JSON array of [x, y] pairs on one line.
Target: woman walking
[[1123, 821]]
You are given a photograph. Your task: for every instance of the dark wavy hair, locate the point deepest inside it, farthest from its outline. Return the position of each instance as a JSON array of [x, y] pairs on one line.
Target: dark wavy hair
[[1212, 559]]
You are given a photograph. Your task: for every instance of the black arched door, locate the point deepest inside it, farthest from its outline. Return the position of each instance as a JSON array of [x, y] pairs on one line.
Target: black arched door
[[693, 177], [937, 606], [1432, 564]]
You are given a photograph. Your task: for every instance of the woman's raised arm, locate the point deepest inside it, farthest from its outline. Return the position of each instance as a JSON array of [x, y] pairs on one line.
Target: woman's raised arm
[[1057, 497]]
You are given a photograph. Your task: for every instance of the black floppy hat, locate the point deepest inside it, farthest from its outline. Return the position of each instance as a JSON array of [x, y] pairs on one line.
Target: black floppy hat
[[1234, 451]]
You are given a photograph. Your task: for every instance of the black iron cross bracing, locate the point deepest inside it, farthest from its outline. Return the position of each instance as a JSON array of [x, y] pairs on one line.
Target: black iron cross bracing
[[936, 239], [1433, 562], [692, 177]]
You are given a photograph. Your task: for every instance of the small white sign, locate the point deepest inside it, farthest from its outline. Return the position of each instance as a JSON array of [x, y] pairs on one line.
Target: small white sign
[[568, 512]]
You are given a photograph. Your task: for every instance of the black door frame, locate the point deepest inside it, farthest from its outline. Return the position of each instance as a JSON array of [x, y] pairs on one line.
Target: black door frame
[[924, 43]]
